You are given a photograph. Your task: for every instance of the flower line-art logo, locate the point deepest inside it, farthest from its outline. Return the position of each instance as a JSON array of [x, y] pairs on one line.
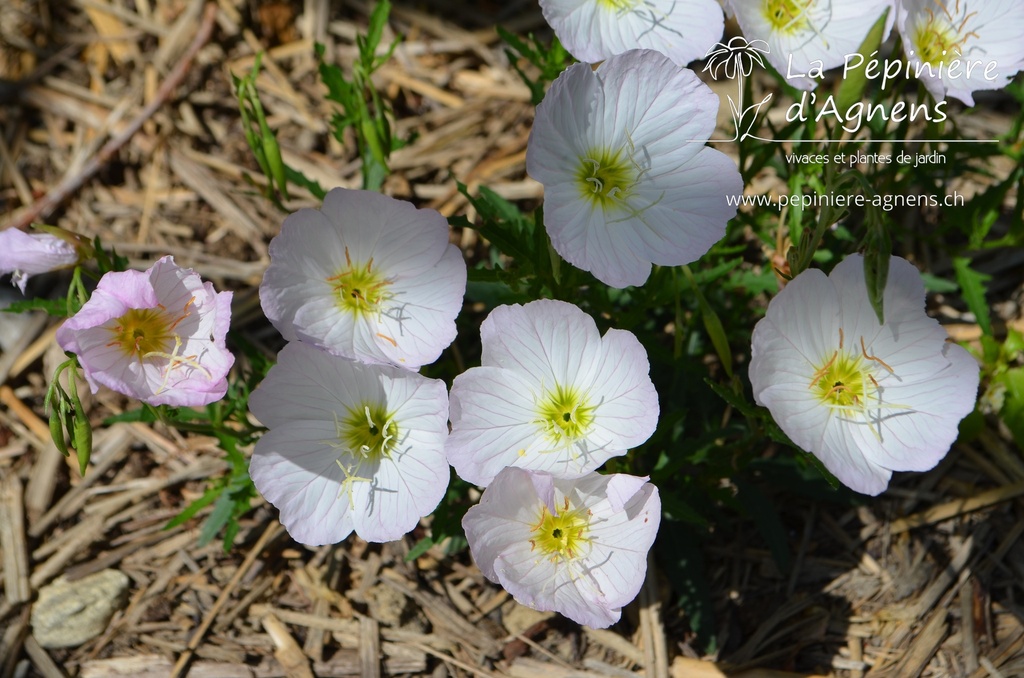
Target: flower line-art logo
[[737, 58]]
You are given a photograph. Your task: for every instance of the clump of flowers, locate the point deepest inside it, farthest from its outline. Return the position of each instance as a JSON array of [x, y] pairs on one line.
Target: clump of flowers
[[156, 335], [808, 37], [627, 178], [865, 398], [958, 47], [350, 446], [594, 30], [366, 277], [551, 394], [26, 254], [577, 547]]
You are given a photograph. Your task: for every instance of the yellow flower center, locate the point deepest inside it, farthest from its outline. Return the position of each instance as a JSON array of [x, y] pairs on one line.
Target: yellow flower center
[[941, 37], [370, 432], [359, 288], [787, 16], [605, 178], [565, 415], [142, 332], [842, 381], [619, 5], [562, 536]]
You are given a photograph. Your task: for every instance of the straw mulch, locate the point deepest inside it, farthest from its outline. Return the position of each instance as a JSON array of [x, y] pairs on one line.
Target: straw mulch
[[924, 581]]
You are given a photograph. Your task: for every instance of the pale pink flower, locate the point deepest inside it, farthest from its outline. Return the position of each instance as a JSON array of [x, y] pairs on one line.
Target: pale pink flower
[[865, 398], [27, 254], [351, 446], [577, 547], [156, 335]]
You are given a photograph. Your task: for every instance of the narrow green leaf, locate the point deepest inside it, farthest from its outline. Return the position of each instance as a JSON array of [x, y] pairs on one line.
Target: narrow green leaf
[[195, 507], [421, 547], [54, 307], [218, 518], [972, 287], [712, 324], [876, 273]]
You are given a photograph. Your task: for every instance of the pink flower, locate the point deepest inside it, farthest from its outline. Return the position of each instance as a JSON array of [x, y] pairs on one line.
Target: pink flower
[[155, 335], [27, 254]]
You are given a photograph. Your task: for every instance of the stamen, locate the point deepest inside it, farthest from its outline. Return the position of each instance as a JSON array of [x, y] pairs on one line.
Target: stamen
[[824, 369], [874, 358]]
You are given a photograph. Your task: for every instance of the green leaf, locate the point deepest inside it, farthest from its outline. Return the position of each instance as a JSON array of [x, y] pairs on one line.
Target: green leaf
[[712, 324], [938, 285], [1012, 412], [876, 273], [211, 495], [222, 512], [54, 307], [855, 79], [421, 547], [972, 286]]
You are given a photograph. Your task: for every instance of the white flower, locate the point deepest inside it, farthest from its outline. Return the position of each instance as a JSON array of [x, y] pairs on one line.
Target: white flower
[[594, 30], [866, 399], [367, 277], [578, 547], [627, 178], [957, 47], [350, 447], [26, 254], [551, 394], [808, 37]]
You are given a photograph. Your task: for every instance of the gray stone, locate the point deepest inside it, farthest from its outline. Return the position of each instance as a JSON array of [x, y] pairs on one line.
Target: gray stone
[[68, 614]]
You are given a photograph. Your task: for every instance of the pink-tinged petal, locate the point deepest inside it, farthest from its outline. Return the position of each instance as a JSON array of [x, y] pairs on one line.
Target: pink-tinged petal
[[26, 254], [404, 489], [688, 208], [156, 335], [667, 111], [595, 240]]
